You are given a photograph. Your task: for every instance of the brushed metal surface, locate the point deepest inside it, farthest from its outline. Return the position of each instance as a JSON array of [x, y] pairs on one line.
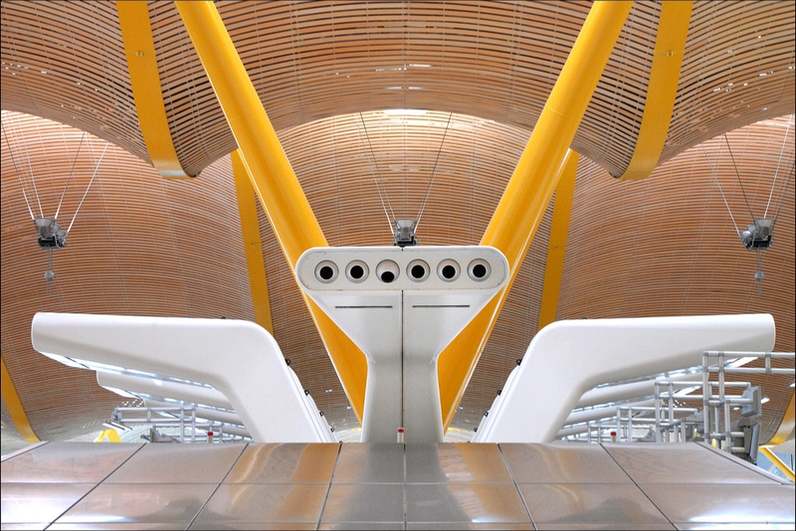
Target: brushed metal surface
[[39, 502], [140, 502], [363, 526], [731, 504], [370, 463], [464, 502], [118, 526], [681, 463], [253, 526], [178, 463], [287, 503], [364, 503], [562, 463], [285, 463], [24, 527], [456, 462], [384, 486], [67, 463], [455, 526], [734, 527], [618, 526], [571, 503]]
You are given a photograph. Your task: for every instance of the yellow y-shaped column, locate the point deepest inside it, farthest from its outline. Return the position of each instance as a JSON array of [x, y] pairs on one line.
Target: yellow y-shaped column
[[532, 184], [271, 174]]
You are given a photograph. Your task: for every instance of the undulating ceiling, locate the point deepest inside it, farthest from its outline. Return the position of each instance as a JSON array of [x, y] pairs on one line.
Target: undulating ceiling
[[330, 74]]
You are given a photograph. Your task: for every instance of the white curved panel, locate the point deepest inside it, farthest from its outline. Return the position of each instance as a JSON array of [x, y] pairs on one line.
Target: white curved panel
[[567, 358], [153, 389], [238, 358]]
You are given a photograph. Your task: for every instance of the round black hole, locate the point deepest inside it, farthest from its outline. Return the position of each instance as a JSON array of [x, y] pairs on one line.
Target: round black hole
[[448, 271], [418, 271], [387, 276], [479, 271], [357, 272], [326, 272]]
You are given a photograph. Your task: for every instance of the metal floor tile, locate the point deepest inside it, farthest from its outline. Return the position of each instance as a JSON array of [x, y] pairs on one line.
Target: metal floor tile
[[285, 463], [37, 502], [571, 503], [244, 502], [140, 502], [364, 502], [439, 463], [178, 463], [464, 502], [67, 463]]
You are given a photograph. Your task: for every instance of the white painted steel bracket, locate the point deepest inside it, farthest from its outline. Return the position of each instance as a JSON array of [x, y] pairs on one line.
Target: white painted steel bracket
[[402, 307], [568, 358], [240, 359]]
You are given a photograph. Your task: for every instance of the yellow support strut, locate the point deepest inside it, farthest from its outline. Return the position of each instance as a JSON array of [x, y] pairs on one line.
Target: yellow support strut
[[774, 458], [532, 184], [562, 209], [14, 406], [252, 243], [661, 90], [271, 174], [139, 47]]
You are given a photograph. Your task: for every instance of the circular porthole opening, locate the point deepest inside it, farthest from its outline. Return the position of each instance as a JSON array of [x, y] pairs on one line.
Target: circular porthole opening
[[418, 270], [479, 270], [387, 271], [326, 271], [356, 271], [448, 270]]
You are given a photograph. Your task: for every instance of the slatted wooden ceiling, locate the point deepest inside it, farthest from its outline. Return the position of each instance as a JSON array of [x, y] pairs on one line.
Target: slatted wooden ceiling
[[663, 246]]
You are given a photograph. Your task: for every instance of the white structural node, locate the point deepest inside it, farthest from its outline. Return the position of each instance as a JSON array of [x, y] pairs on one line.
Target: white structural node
[[402, 307], [239, 359], [568, 358]]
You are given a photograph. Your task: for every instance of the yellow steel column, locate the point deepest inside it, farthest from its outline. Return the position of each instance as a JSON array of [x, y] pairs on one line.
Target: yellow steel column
[[661, 89], [562, 209], [272, 176], [774, 458], [139, 47], [14, 406], [252, 243], [786, 425], [531, 185], [110, 434]]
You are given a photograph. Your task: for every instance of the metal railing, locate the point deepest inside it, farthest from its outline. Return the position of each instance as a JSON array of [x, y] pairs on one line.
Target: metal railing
[[177, 424], [672, 419]]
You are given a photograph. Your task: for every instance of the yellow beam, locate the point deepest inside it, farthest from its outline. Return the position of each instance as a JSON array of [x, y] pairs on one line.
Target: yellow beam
[[562, 209], [253, 244], [139, 47], [786, 427], [14, 406], [774, 458], [110, 434], [532, 184], [272, 177], [662, 89]]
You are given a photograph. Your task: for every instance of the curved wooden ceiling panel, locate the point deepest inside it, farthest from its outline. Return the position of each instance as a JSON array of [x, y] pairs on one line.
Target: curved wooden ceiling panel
[[314, 60]]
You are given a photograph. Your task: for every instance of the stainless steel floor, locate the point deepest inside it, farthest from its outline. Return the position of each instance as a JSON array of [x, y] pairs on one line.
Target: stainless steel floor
[[388, 486]]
